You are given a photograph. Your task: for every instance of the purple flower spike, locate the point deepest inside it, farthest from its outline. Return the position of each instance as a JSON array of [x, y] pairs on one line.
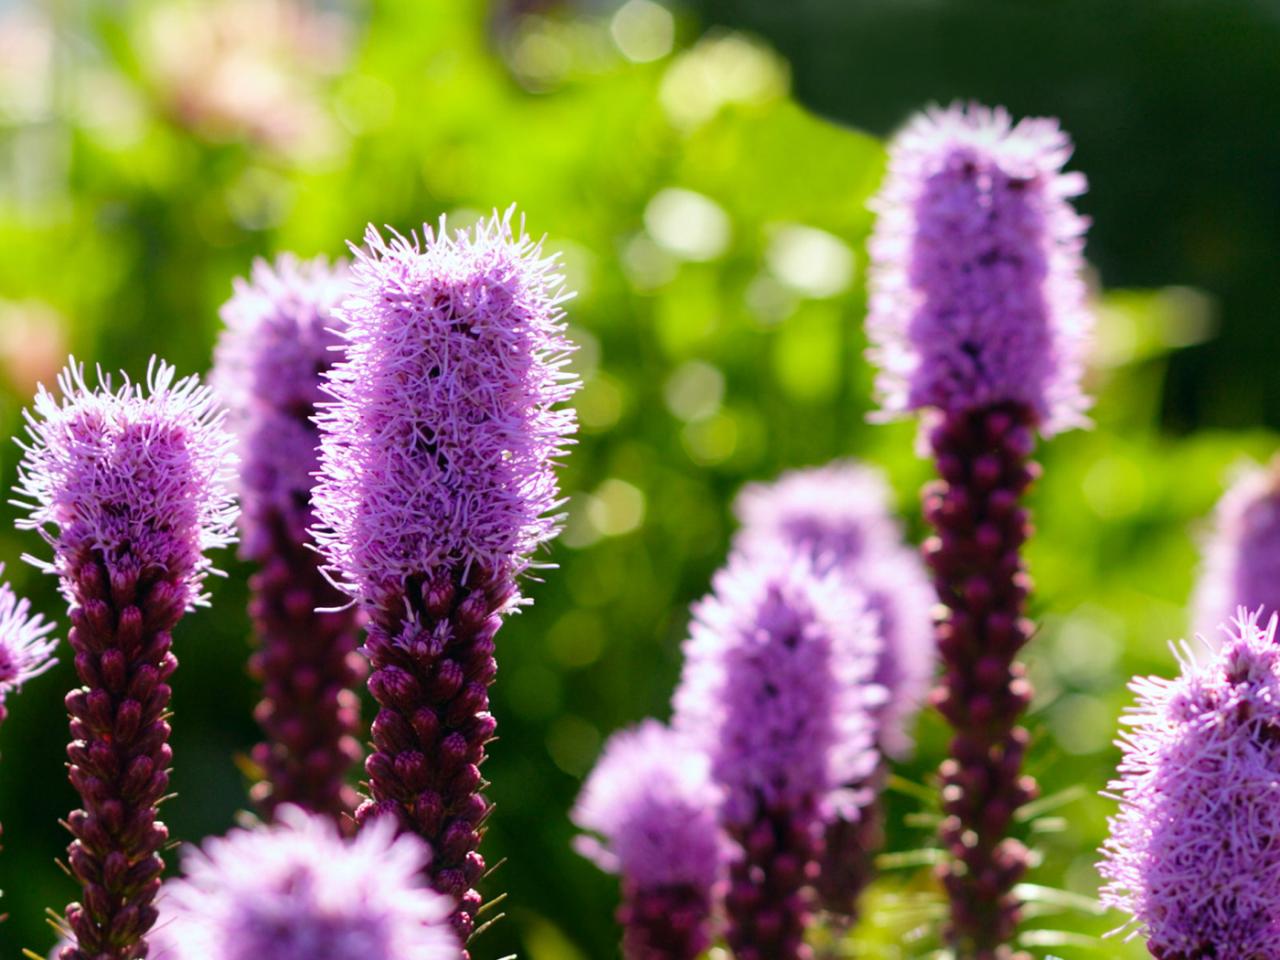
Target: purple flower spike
[[652, 800], [978, 318], [130, 487], [297, 891], [776, 689], [1242, 557], [1192, 855], [976, 290], [279, 339], [25, 648], [437, 483], [839, 516]]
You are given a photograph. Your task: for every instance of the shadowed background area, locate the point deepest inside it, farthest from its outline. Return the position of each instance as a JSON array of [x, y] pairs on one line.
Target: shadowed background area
[[713, 224]]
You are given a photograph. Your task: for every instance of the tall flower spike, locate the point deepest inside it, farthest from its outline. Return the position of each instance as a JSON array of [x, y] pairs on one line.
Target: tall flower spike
[[652, 800], [130, 487], [1242, 555], [978, 318], [296, 890], [280, 337], [1192, 854], [437, 483], [839, 516], [776, 690]]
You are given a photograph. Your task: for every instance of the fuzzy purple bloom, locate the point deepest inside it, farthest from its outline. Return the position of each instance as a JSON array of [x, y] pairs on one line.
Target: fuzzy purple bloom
[[130, 486], [839, 516], [437, 483], [654, 806], [1242, 556], [777, 690], [977, 297], [298, 891], [280, 338], [1192, 855], [441, 447], [25, 648]]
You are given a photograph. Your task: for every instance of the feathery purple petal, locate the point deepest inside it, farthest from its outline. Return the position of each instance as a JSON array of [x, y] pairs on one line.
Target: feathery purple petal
[[26, 651], [976, 289], [1192, 854]]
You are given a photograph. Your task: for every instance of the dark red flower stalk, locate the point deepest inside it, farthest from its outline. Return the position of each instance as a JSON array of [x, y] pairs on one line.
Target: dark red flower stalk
[[280, 337], [978, 317], [437, 482], [130, 488]]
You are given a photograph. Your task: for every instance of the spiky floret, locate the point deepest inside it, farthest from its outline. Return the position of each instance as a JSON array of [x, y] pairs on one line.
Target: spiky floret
[[977, 295], [130, 486], [280, 337], [839, 516], [437, 481], [138, 476], [440, 447], [652, 805], [777, 690], [1192, 854], [25, 648], [1241, 564], [297, 890]]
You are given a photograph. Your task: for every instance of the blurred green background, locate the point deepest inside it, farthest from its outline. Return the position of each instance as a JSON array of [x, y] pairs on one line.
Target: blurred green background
[[714, 229]]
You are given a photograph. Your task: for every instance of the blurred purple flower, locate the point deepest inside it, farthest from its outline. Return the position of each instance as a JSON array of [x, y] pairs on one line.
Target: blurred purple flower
[[654, 805], [1192, 855], [280, 337], [437, 483], [25, 648], [1242, 556], [130, 486], [776, 689], [839, 516], [976, 290], [297, 890]]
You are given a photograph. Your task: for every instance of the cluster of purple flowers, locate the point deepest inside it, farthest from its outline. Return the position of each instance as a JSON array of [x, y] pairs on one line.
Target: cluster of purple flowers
[[386, 435]]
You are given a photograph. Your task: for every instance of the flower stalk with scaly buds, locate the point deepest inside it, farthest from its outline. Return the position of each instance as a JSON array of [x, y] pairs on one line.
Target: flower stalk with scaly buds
[[838, 516], [653, 804], [129, 485], [978, 318], [777, 692], [437, 483], [279, 339]]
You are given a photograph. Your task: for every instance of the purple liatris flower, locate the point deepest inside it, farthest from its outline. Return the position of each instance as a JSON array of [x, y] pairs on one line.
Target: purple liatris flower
[[25, 648], [297, 890], [1192, 855], [652, 801], [437, 483], [839, 516], [130, 487], [1242, 555], [977, 297], [777, 691], [279, 339], [978, 318]]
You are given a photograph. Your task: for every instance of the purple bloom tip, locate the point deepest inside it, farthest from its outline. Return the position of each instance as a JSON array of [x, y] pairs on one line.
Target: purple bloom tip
[[839, 516], [777, 686], [139, 477], [1242, 555], [977, 296], [25, 648], [652, 802], [439, 447], [280, 335], [297, 890], [1192, 854]]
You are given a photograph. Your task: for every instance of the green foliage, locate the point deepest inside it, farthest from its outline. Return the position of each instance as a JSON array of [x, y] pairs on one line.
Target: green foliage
[[715, 232]]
